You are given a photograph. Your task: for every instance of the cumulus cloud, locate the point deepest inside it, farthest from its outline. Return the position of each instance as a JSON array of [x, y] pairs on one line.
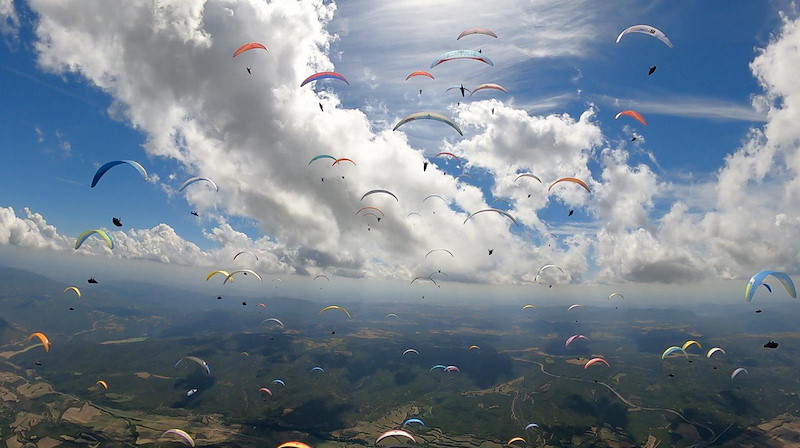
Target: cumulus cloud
[[168, 67], [747, 225]]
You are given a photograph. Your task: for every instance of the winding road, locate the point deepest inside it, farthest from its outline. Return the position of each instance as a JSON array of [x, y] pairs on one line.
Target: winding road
[[713, 436]]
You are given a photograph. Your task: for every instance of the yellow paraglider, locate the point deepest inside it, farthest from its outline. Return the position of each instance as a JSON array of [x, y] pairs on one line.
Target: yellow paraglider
[[73, 288], [516, 439], [293, 444], [334, 307], [689, 343], [225, 273], [102, 383]]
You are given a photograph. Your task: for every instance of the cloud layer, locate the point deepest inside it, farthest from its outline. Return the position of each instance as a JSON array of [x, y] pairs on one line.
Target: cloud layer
[[168, 67]]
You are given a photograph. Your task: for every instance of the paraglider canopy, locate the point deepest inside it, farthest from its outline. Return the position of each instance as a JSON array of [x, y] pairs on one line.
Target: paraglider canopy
[[101, 233], [324, 75], [471, 31], [462, 54], [758, 279], [646, 29], [428, 116], [250, 46], [102, 170]]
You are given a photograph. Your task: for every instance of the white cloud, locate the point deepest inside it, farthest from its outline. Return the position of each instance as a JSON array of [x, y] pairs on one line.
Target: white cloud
[[9, 20], [746, 223], [31, 232], [168, 67], [63, 145], [688, 106]]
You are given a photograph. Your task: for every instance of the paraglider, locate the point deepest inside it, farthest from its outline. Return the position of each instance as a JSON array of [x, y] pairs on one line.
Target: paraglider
[[488, 86], [502, 212], [442, 250], [102, 383], [424, 278], [395, 433], [272, 319], [738, 371], [45, 342], [491, 251], [196, 360], [651, 71], [528, 306], [321, 156], [324, 75], [532, 176], [246, 252], [615, 294], [250, 46], [595, 361], [393, 315], [225, 273], [248, 71], [462, 54], [471, 31], [424, 166], [278, 381], [646, 29], [771, 344], [689, 343], [321, 108], [459, 87], [413, 420], [191, 392], [73, 288], [334, 307], [674, 349], [632, 113], [371, 208], [116, 221], [101, 233], [102, 170], [342, 160], [714, 350], [92, 280], [318, 276], [516, 439], [571, 212], [186, 438], [198, 179], [575, 306], [419, 73], [451, 369], [317, 369], [371, 192], [449, 154], [428, 116], [757, 280], [245, 271], [574, 337], [195, 213], [531, 425], [294, 444], [438, 366], [410, 350], [570, 179], [473, 347], [265, 390]]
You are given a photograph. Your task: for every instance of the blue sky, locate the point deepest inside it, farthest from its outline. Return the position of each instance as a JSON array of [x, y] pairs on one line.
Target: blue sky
[[558, 62]]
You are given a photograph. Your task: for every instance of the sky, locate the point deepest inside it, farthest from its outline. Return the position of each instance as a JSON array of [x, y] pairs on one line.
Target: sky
[[706, 194]]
